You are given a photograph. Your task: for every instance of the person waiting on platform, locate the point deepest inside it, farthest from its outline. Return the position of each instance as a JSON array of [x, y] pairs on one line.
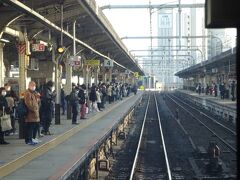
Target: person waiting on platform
[[207, 89], [74, 100], [232, 88], [11, 98], [82, 101], [222, 90], [63, 101], [3, 108], [134, 89], [199, 88], [215, 89], [31, 99], [46, 107], [93, 98], [99, 94]]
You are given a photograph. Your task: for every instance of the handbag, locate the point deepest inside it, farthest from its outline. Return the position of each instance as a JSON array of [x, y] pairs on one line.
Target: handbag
[[5, 121]]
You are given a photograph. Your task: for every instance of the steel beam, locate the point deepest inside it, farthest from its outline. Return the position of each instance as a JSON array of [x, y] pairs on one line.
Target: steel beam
[[164, 37], [158, 6]]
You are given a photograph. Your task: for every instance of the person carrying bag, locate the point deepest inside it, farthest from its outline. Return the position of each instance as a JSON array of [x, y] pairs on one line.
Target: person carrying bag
[[5, 121]]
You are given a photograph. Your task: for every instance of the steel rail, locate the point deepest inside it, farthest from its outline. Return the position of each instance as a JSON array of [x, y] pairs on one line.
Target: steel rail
[[209, 129], [213, 120], [163, 142], [139, 142]]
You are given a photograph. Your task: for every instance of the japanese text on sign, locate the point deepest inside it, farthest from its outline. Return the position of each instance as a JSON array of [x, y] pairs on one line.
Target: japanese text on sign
[[92, 62], [108, 63]]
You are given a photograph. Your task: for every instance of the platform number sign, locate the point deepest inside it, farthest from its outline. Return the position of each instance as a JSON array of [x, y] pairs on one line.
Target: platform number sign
[[108, 63]]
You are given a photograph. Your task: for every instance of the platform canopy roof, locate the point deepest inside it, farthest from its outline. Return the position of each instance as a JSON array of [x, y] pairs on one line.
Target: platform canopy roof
[[92, 27], [222, 60]]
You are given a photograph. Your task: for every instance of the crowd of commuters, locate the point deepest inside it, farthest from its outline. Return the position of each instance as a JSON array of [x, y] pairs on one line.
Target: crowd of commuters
[[94, 98], [225, 92], [39, 103]]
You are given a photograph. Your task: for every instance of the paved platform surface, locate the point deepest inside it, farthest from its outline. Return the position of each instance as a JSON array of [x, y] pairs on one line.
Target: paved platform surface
[[87, 133], [217, 100]]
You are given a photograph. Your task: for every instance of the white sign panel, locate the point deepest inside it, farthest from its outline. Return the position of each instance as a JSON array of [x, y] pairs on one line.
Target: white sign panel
[[127, 71], [38, 47], [108, 63], [74, 61]]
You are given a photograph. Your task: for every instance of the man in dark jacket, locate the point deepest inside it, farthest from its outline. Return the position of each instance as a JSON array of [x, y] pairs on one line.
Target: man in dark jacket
[[46, 107], [63, 102], [74, 100]]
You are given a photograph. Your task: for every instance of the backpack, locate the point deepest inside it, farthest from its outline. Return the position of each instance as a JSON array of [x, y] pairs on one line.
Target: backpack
[[22, 109]]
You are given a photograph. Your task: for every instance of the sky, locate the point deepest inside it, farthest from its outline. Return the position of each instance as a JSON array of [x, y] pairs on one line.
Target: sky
[[135, 22]]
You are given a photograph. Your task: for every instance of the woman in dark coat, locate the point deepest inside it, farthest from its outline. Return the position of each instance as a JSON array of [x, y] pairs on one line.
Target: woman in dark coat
[[93, 97], [3, 105]]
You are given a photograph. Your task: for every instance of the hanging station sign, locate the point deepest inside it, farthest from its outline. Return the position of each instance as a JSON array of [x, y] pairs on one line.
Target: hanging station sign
[[136, 74], [108, 63], [74, 61], [38, 47], [92, 62]]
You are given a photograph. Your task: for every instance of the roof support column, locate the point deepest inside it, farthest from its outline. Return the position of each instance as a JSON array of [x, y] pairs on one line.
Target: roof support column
[[110, 74], [2, 67], [57, 89], [22, 67], [104, 75], [96, 71], [21, 56]]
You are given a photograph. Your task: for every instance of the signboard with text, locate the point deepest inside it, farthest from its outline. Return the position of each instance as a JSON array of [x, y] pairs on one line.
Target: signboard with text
[[92, 62], [74, 61], [108, 63], [38, 47]]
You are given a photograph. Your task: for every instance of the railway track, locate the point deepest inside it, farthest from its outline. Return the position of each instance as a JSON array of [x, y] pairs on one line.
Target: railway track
[[151, 158], [204, 129], [222, 132], [172, 148]]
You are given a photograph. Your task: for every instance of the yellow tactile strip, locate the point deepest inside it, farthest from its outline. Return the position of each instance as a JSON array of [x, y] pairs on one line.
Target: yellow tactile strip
[[29, 156]]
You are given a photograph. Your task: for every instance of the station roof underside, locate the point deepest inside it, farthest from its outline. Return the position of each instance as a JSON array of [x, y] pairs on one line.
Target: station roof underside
[[92, 27], [227, 57]]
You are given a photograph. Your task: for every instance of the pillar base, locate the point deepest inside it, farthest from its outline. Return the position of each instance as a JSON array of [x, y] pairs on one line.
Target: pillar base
[[57, 114]]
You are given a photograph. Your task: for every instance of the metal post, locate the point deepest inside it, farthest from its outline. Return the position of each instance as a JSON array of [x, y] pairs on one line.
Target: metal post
[[22, 68], [104, 75], [74, 38], [61, 23], [22, 81], [180, 32], [1, 65], [96, 75], [238, 84], [69, 74], [57, 88], [110, 74]]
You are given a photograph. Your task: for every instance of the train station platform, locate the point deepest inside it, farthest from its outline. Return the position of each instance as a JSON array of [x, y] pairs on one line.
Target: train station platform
[[225, 108], [57, 153]]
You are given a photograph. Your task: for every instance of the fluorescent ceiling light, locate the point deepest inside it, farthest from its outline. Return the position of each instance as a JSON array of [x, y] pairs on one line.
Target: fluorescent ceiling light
[[4, 40]]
